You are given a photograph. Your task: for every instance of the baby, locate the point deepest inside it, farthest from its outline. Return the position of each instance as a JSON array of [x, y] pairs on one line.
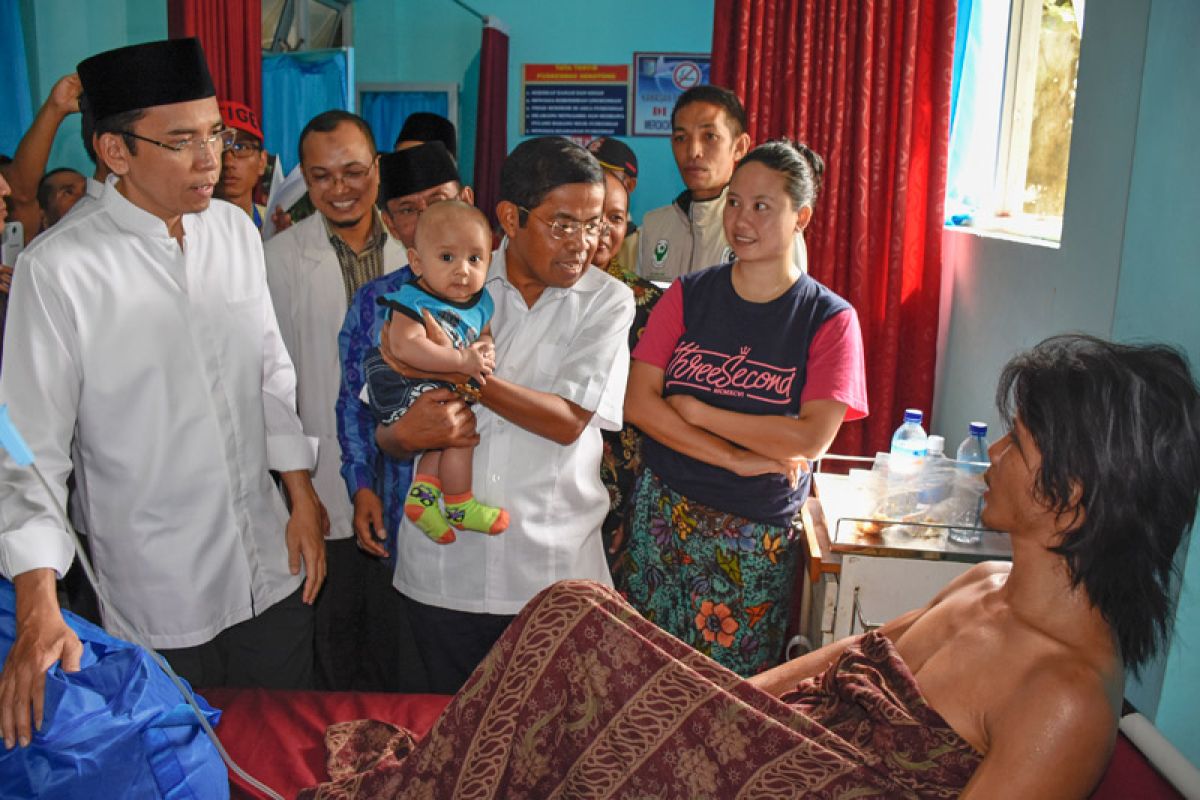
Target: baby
[[450, 262]]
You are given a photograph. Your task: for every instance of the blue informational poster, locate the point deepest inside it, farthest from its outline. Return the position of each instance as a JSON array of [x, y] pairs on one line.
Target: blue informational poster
[[659, 79], [576, 99]]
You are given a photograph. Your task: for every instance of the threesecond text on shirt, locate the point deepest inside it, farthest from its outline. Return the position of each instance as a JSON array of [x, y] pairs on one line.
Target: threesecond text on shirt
[[733, 374]]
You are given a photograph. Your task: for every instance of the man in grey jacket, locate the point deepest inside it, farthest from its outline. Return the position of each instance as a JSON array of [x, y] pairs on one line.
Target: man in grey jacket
[[708, 138]]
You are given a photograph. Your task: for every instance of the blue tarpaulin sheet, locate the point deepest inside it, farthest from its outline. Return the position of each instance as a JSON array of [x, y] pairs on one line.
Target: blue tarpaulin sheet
[[116, 728]]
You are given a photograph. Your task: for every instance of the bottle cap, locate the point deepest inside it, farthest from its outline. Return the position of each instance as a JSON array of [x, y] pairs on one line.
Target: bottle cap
[[913, 415], [935, 445], [978, 428]]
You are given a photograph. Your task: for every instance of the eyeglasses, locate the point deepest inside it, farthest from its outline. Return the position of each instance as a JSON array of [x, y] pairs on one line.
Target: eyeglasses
[[224, 139], [354, 176], [414, 208], [591, 229], [244, 149]]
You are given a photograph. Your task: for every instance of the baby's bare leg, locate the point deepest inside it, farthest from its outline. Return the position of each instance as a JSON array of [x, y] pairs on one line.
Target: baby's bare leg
[[455, 469], [462, 509], [430, 464]]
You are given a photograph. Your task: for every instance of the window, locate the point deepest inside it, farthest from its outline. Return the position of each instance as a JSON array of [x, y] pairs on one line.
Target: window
[[1013, 106], [385, 106], [289, 25]]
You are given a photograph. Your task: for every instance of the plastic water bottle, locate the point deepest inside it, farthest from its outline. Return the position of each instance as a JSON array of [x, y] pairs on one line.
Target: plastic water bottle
[[968, 484], [935, 446], [908, 445], [937, 474]]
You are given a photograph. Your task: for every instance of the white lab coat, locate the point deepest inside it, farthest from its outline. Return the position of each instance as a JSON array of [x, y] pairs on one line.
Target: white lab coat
[[310, 302]]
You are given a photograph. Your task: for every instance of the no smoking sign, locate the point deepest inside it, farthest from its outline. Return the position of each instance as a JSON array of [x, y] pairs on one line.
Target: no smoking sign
[[686, 75], [659, 80]]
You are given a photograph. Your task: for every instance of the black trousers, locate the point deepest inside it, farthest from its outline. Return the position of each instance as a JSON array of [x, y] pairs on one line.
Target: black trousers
[[79, 595], [452, 643], [271, 651], [363, 638]]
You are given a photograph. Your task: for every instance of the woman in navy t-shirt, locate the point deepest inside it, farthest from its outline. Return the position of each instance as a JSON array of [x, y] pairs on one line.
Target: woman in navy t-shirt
[[745, 372]]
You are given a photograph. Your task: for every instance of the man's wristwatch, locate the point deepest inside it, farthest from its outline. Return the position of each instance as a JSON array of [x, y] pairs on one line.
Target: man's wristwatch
[[468, 391]]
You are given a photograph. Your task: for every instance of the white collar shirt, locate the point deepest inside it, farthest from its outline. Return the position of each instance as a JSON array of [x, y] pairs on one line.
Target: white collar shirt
[[572, 343], [156, 373]]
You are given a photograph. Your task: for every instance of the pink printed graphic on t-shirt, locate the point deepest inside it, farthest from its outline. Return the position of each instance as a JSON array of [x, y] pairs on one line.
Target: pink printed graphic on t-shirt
[[735, 375]]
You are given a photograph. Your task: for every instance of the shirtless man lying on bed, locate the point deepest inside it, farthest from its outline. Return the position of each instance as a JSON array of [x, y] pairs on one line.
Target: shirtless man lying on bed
[[1008, 684], [1096, 481]]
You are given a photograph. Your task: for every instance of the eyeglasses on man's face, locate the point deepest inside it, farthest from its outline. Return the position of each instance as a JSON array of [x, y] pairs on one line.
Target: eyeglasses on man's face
[[354, 176], [243, 149], [569, 229], [411, 209], [222, 140]]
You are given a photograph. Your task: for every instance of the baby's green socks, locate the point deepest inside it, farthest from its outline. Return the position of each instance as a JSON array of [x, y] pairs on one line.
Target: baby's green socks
[[466, 513], [424, 509], [463, 511]]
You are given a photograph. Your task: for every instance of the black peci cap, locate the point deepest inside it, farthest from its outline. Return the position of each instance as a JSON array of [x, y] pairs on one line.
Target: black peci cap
[[145, 75], [424, 126], [416, 169]]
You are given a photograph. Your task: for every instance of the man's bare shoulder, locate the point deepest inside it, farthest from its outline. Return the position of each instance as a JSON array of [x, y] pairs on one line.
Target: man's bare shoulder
[[1054, 678], [1052, 737], [1079, 688]]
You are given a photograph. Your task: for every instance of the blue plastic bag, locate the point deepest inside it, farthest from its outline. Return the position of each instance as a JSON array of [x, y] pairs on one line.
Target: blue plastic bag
[[116, 728]]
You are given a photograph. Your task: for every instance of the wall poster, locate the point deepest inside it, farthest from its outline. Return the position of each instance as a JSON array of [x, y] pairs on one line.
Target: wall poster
[[571, 99], [659, 79]]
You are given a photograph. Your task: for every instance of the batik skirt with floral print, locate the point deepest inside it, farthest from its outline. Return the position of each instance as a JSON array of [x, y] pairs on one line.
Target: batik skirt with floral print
[[720, 582]]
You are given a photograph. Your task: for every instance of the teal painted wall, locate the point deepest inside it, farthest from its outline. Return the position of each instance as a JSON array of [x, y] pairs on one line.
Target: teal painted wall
[[1158, 292], [436, 41], [61, 33], [409, 41]]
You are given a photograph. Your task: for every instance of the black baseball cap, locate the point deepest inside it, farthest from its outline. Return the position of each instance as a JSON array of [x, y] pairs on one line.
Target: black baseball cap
[[615, 154]]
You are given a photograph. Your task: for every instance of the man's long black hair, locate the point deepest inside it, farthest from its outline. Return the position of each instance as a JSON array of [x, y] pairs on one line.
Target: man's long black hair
[[1121, 424]]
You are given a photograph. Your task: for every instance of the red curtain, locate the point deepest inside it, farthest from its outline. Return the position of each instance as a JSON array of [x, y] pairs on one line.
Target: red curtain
[[865, 83], [491, 131], [231, 34]]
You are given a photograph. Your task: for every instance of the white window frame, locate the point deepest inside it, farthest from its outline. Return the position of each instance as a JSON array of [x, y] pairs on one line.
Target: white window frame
[[1006, 216], [1016, 115], [451, 90]]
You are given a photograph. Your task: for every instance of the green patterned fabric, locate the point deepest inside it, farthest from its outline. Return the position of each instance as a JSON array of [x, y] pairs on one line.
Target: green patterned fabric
[[717, 581]]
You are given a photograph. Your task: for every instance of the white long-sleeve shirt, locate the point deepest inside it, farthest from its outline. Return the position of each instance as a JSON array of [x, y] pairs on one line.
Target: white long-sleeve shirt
[[573, 343], [158, 374]]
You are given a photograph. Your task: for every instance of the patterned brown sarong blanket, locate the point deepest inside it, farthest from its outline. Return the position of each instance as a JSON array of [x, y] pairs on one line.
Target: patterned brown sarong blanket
[[583, 698]]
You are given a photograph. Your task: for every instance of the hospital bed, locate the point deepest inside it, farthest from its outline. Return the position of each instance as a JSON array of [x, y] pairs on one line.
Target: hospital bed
[[279, 737]]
